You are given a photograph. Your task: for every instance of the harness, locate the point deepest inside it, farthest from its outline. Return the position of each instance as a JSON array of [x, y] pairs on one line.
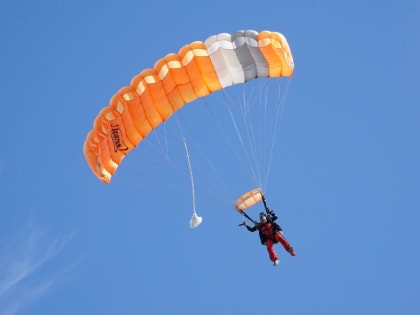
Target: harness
[[268, 230]]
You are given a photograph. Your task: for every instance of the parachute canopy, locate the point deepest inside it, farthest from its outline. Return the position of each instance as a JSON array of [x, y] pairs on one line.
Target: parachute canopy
[[197, 70], [248, 199]]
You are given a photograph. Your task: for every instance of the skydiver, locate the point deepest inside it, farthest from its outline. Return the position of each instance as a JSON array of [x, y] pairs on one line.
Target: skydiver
[[270, 234]]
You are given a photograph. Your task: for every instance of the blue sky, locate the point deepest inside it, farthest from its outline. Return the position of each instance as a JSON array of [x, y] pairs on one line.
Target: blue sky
[[344, 181]]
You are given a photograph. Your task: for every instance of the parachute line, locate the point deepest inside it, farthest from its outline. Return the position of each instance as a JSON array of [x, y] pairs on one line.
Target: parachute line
[[191, 174], [279, 112], [243, 113], [251, 138]]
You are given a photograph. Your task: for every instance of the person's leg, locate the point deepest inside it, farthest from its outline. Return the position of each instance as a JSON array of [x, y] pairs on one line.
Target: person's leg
[[281, 239], [270, 248]]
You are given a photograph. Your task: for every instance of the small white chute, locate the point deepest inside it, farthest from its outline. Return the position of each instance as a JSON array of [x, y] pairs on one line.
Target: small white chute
[[195, 220]]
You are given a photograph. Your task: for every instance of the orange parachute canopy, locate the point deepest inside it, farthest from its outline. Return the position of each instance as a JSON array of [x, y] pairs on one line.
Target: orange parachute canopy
[[198, 69], [249, 199]]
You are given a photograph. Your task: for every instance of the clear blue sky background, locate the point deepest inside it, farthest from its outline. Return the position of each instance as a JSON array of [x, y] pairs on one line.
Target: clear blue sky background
[[345, 181]]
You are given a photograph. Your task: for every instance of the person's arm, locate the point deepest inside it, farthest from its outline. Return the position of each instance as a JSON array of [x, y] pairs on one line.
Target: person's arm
[[251, 229], [273, 216]]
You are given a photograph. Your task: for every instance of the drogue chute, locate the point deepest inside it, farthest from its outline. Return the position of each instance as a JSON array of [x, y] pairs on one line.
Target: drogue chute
[[249, 199]]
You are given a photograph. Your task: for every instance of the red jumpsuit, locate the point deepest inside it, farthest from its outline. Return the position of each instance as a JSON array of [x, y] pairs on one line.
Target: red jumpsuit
[[269, 236]]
